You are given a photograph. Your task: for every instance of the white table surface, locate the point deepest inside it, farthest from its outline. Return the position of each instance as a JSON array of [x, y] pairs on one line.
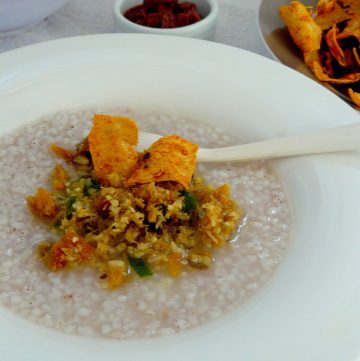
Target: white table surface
[[237, 25]]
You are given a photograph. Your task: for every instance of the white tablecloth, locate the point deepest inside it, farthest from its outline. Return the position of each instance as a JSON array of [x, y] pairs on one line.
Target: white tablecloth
[[237, 25]]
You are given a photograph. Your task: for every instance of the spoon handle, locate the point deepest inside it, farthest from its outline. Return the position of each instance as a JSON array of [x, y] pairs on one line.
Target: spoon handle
[[337, 139]]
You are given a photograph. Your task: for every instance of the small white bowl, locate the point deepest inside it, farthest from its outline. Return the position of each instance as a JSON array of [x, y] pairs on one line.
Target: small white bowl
[[203, 29], [16, 14]]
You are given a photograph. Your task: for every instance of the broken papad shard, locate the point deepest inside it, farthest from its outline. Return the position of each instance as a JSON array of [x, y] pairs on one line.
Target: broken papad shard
[[170, 159]]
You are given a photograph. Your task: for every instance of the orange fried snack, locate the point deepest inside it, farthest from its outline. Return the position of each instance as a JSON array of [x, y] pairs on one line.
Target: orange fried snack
[[356, 56], [43, 204], [331, 16], [61, 152], [111, 142], [337, 60], [355, 97], [70, 251], [325, 6], [346, 79], [302, 27], [171, 158], [174, 264], [334, 47], [352, 28], [59, 178], [353, 7]]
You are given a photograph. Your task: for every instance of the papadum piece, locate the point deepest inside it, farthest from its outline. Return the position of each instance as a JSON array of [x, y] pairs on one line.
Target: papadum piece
[[310, 57], [346, 79], [327, 19], [43, 204], [352, 28], [334, 47], [111, 142], [171, 158], [325, 6], [355, 97], [356, 56], [302, 27], [353, 7]]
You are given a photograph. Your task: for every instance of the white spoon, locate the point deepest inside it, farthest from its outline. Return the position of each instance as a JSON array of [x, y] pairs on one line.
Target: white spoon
[[336, 139]]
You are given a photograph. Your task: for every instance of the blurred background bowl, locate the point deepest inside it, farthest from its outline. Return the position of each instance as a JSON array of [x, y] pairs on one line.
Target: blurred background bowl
[[203, 29], [16, 14], [279, 43]]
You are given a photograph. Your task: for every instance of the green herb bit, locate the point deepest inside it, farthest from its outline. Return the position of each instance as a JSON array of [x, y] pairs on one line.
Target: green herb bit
[[140, 267], [58, 223], [91, 186], [190, 202], [70, 206]]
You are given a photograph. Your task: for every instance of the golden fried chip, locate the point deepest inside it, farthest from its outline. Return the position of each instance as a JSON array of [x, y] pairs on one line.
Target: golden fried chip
[[325, 6], [61, 152], [353, 7], [326, 20], [346, 79], [337, 61], [111, 143], [314, 56], [334, 47], [113, 127], [310, 57], [302, 27], [171, 158], [43, 203], [356, 56], [352, 29], [355, 97]]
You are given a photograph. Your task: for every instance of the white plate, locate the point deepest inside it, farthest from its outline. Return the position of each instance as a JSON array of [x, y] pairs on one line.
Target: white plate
[[310, 310]]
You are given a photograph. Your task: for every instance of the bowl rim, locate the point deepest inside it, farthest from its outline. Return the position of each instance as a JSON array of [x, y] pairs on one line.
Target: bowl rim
[[16, 22], [261, 31], [207, 21]]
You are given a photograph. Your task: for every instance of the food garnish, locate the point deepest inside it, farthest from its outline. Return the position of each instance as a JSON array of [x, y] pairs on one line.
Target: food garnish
[[139, 266], [125, 213]]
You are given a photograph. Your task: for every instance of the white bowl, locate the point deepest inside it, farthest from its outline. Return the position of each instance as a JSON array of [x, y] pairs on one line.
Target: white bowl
[[203, 29], [310, 309], [277, 40], [15, 14]]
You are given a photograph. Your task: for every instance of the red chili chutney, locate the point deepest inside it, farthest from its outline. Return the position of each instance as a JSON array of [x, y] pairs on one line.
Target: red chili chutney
[[163, 14]]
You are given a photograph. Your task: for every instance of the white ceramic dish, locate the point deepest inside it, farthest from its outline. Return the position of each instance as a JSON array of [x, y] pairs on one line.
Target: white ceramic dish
[[279, 43], [15, 14], [310, 310], [204, 29]]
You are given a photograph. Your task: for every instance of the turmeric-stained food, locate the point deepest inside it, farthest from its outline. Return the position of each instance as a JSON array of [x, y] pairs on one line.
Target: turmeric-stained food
[[329, 37], [302, 27], [126, 213], [112, 143], [169, 159], [43, 204]]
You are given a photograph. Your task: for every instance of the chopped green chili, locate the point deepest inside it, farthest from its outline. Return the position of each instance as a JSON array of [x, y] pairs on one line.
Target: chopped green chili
[[91, 186], [190, 202], [70, 206], [139, 266]]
